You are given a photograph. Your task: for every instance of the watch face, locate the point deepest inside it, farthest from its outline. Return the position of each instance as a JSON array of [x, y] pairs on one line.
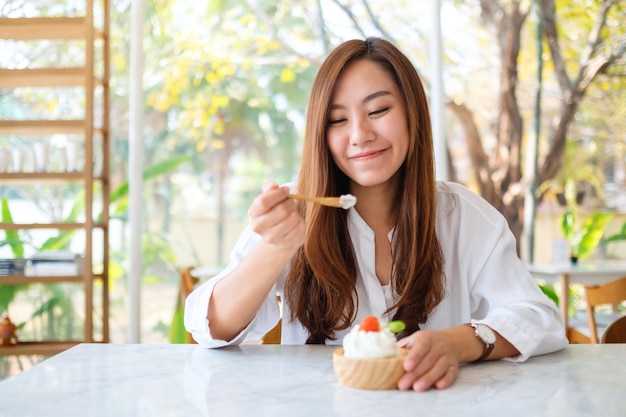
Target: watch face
[[485, 333]]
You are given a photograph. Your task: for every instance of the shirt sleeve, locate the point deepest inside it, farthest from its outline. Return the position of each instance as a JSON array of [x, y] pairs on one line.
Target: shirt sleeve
[[503, 294], [508, 300], [197, 303]]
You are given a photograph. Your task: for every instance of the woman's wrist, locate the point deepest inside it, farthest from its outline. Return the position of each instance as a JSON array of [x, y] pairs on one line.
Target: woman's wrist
[[467, 346]]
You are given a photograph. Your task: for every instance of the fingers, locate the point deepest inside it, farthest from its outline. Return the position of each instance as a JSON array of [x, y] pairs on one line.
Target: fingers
[[429, 363], [268, 185], [448, 378], [437, 372], [271, 196], [273, 216]]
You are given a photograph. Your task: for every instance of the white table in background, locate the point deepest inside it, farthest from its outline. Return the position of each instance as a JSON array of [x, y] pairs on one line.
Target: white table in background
[[205, 273], [582, 273]]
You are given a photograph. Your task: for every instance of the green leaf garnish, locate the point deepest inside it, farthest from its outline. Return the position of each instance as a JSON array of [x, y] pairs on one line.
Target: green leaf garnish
[[396, 326]]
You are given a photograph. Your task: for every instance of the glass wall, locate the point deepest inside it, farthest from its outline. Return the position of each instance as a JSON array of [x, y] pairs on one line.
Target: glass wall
[[226, 86]]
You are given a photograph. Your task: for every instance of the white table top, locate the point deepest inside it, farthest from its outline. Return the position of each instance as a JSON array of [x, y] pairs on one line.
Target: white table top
[[566, 274], [290, 381], [588, 272]]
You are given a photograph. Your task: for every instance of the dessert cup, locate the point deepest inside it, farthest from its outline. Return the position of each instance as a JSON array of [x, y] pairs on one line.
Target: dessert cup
[[372, 374]]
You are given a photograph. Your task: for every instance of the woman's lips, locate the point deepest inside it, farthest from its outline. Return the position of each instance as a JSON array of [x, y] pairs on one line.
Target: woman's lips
[[362, 156]]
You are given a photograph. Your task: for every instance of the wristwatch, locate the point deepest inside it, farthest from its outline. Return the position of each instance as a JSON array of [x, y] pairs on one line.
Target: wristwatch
[[487, 336]]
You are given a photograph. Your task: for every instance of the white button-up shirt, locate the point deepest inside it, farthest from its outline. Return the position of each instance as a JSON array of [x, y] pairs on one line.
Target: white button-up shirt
[[484, 280]]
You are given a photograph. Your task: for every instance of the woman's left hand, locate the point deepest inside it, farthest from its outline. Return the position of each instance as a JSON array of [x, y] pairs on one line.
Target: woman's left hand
[[432, 360]]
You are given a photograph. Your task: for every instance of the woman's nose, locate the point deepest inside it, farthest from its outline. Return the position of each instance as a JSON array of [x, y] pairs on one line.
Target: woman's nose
[[361, 132]]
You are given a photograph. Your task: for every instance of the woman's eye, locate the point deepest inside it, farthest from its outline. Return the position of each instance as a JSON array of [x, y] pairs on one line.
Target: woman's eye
[[379, 111], [335, 121]]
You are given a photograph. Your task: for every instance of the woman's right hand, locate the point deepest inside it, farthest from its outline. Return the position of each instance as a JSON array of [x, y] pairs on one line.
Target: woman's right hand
[[274, 216]]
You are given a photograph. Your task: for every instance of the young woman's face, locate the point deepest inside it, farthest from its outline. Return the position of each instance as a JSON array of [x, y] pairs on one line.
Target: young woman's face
[[367, 130]]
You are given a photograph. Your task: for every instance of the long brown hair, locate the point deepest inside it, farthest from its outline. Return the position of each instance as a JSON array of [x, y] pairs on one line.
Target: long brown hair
[[320, 287]]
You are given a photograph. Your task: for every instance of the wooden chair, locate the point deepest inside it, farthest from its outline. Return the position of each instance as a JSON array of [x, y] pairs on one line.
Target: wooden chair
[[187, 284], [187, 281], [273, 336], [615, 332], [579, 334], [611, 293]]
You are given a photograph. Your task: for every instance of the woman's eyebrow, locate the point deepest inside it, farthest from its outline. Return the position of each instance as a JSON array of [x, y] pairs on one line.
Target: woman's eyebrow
[[375, 95], [365, 100]]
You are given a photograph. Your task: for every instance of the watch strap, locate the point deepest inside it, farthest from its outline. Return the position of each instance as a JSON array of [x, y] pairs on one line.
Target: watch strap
[[488, 346]]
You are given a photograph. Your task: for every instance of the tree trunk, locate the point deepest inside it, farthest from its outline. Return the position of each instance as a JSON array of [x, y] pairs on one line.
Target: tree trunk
[[573, 92], [499, 176]]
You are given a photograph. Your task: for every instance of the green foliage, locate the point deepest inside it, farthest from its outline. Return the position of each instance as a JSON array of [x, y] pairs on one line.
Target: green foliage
[[57, 307], [12, 236], [216, 7], [176, 331], [119, 196], [585, 238], [7, 295], [578, 169], [157, 253], [549, 291], [232, 87], [8, 292], [621, 235]]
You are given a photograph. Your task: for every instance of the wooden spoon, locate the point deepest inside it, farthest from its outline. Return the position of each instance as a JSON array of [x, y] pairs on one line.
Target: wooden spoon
[[344, 201]]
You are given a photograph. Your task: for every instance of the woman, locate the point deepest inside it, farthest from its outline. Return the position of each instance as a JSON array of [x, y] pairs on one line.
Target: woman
[[433, 255]]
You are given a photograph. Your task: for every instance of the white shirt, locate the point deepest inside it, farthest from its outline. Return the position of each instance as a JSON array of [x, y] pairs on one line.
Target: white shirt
[[484, 280]]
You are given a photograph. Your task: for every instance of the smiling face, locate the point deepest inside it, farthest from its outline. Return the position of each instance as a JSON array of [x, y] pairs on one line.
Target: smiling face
[[367, 129]]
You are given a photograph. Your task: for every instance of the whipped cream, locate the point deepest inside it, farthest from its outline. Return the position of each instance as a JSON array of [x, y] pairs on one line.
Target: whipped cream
[[359, 344]]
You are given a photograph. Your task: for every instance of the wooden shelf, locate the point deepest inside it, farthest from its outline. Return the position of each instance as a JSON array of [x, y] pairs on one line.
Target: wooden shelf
[[31, 226], [41, 176], [38, 348], [43, 279], [35, 28], [22, 279], [42, 77], [57, 226], [89, 74], [41, 127]]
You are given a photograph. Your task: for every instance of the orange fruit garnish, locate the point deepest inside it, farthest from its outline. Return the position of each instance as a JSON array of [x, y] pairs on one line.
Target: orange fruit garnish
[[370, 324]]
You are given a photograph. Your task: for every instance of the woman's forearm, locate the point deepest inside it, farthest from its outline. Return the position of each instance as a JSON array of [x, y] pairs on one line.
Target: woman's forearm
[[238, 296], [469, 347]]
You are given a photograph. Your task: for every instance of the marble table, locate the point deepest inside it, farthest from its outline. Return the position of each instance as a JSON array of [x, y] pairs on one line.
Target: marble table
[[289, 381]]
